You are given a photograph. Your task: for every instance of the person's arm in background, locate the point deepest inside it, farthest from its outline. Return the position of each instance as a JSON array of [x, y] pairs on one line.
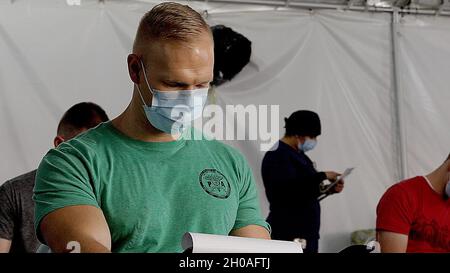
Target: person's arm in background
[[339, 187], [395, 214], [391, 242], [5, 245], [6, 218], [85, 225], [281, 180], [278, 170]]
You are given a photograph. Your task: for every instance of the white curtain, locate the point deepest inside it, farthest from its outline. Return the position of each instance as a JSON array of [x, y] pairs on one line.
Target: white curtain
[[53, 56], [424, 68], [336, 63]]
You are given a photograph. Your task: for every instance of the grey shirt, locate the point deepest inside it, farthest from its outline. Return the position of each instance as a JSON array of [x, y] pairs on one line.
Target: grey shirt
[[17, 213]]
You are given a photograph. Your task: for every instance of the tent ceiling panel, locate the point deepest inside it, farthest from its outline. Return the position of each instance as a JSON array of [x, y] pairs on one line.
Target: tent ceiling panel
[[430, 7], [412, 5]]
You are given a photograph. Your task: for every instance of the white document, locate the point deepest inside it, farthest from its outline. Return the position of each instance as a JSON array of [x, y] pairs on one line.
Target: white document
[[346, 173], [208, 243]]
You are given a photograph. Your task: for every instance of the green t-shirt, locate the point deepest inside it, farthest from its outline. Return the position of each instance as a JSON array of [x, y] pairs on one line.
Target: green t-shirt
[[151, 193]]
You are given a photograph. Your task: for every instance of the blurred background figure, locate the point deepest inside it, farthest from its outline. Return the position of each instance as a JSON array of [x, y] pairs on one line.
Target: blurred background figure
[[17, 207], [293, 184], [414, 215]]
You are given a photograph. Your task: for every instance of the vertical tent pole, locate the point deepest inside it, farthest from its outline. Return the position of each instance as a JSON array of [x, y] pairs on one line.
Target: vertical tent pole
[[400, 129]]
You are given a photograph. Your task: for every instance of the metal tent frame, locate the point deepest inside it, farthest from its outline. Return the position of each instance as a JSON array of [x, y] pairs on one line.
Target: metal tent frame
[[424, 7]]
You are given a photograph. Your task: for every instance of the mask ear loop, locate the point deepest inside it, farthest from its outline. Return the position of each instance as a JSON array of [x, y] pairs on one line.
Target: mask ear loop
[[146, 81], [145, 77], [139, 91]]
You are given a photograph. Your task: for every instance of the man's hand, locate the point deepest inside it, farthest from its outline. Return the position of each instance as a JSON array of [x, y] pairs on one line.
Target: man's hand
[[332, 176], [339, 187]]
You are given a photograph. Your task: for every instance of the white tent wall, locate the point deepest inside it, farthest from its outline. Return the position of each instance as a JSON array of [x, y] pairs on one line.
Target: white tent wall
[[334, 62], [53, 56], [338, 64], [424, 67]]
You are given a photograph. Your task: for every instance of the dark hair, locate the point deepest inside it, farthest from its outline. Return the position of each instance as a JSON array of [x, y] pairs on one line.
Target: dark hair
[[83, 115], [448, 157], [303, 123]]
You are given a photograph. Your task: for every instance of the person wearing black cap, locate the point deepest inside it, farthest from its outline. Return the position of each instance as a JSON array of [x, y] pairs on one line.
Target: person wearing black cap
[[292, 183]]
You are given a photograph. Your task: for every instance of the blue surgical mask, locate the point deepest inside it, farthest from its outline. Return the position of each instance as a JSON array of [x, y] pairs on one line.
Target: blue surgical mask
[[173, 111], [308, 145]]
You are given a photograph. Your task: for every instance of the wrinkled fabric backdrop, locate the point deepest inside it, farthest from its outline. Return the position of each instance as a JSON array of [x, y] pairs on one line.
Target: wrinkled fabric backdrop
[[389, 121]]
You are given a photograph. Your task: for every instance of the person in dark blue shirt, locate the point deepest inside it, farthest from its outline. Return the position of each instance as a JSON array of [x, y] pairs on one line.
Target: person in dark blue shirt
[[292, 183]]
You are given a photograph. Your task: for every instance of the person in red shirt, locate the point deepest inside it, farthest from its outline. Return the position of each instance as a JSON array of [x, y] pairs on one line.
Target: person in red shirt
[[414, 215]]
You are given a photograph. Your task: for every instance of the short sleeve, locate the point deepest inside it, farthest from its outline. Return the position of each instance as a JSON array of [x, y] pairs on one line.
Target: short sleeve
[[6, 212], [63, 179], [249, 212], [395, 211]]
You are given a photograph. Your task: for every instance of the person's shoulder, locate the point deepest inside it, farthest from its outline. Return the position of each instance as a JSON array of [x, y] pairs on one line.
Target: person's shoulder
[[91, 137], [277, 153], [87, 142], [406, 188], [414, 184], [82, 148], [20, 182]]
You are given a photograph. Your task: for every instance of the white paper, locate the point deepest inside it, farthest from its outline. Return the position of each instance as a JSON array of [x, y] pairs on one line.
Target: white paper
[[208, 243], [346, 173]]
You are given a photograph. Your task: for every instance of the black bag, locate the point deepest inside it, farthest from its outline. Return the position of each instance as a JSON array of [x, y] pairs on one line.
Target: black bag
[[232, 52]]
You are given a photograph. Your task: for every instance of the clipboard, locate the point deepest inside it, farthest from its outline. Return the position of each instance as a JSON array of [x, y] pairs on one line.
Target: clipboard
[[323, 192]]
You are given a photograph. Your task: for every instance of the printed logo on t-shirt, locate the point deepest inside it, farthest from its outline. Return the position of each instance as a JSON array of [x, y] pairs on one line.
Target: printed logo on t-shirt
[[215, 183], [432, 232]]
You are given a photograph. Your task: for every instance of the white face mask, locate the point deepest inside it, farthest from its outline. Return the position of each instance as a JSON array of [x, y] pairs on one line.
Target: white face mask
[[172, 111], [308, 145]]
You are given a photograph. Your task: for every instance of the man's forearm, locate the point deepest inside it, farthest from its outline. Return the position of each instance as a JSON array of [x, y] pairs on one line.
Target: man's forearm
[[76, 229], [81, 246], [94, 247], [5, 245], [251, 231]]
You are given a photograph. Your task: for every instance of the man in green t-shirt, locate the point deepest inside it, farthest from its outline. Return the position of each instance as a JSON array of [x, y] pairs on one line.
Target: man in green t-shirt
[[137, 184]]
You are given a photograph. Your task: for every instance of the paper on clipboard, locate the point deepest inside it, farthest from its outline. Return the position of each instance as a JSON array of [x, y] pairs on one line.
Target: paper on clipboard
[[209, 243], [346, 173]]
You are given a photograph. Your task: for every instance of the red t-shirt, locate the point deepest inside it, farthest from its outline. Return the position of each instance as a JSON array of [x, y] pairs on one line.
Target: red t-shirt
[[413, 208]]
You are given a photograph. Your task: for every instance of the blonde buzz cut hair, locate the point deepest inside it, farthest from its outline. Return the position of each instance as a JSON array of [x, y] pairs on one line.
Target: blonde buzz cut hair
[[170, 21]]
